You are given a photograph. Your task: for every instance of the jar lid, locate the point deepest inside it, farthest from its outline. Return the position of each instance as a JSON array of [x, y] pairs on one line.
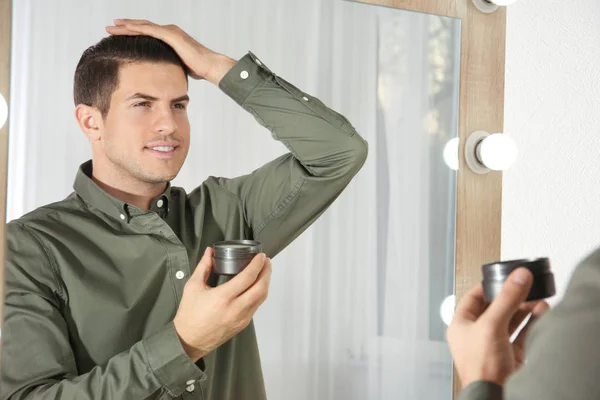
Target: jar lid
[[236, 248], [501, 269]]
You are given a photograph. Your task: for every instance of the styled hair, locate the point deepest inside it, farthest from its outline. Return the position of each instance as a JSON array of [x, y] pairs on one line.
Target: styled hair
[[97, 73]]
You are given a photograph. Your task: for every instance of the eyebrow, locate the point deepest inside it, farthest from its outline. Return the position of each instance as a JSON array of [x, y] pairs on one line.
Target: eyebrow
[[152, 98]]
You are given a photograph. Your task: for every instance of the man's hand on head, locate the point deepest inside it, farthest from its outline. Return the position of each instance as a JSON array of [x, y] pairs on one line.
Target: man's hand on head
[[202, 62]]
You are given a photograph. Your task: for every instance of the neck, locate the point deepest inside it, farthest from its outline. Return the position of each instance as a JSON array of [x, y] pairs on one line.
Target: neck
[[126, 188]]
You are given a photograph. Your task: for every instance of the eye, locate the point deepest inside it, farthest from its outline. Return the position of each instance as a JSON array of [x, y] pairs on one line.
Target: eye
[[142, 104], [181, 106]]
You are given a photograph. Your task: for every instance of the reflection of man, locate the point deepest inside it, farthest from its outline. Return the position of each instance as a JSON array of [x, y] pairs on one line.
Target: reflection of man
[[563, 356], [103, 296]]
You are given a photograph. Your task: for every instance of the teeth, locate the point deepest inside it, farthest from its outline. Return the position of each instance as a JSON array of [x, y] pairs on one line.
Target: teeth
[[163, 148]]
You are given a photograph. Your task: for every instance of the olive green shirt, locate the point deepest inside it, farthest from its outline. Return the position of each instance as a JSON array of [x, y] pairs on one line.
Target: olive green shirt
[[562, 352], [93, 283]]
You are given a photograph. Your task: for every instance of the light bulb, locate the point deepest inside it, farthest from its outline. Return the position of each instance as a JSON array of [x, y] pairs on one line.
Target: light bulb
[[503, 2], [3, 111], [451, 153], [447, 309], [497, 152]]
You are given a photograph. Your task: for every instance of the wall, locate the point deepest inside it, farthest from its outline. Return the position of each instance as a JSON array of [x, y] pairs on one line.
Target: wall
[[550, 195]]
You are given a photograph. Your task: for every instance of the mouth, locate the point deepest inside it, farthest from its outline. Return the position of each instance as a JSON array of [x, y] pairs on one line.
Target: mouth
[[162, 151]]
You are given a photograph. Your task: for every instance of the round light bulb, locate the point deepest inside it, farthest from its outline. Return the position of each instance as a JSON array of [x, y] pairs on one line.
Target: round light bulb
[[503, 2], [497, 152], [447, 309], [451, 154], [3, 111]]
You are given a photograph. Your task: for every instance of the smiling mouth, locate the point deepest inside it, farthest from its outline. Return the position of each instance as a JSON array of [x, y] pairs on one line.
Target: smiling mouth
[[162, 151]]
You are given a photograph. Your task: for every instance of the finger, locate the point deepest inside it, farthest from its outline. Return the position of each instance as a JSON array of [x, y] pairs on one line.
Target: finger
[[256, 294], [128, 21], [204, 267], [142, 29], [471, 305], [539, 310], [242, 281], [122, 30], [524, 310], [513, 293]]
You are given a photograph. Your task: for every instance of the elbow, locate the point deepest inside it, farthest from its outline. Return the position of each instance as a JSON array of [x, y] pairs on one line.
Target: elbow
[[359, 154], [362, 153], [340, 163]]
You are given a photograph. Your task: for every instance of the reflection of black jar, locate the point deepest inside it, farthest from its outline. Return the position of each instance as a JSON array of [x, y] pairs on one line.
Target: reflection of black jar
[[495, 274], [232, 256]]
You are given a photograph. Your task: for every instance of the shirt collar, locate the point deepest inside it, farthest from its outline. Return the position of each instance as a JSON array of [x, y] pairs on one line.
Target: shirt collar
[[97, 197]]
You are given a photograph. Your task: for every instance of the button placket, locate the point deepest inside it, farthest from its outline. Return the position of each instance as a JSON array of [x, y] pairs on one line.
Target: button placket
[[178, 259], [179, 266]]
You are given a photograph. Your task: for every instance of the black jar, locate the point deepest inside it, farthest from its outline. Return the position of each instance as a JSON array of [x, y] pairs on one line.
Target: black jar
[[495, 274]]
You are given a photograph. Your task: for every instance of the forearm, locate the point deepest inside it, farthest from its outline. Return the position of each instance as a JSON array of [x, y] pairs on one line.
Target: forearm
[[322, 140], [149, 369], [285, 196], [562, 354], [221, 65]]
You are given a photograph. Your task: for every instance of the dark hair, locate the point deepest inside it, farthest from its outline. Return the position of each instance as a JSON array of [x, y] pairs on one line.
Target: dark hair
[[97, 73]]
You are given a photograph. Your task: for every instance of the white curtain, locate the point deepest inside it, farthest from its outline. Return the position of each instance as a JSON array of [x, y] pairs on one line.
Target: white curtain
[[353, 306]]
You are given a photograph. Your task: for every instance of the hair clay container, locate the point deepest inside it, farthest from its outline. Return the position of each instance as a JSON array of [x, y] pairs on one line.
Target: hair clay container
[[232, 256], [495, 274]]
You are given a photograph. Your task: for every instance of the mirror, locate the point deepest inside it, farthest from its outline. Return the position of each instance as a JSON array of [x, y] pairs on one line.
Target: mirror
[[355, 304]]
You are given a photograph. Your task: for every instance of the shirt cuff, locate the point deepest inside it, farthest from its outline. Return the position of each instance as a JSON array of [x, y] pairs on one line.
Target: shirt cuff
[[169, 362], [481, 390], [247, 74]]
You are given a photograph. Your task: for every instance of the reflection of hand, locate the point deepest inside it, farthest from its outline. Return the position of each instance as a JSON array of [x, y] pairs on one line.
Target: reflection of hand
[[202, 62], [207, 317], [479, 335]]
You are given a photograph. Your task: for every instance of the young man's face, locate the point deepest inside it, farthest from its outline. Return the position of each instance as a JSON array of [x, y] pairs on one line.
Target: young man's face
[[146, 132]]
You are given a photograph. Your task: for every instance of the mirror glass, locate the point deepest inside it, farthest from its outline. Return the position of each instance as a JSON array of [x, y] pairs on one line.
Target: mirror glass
[[357, 303]]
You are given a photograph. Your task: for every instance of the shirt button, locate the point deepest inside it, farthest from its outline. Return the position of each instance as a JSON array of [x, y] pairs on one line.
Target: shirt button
[[159, 203], [305, 98], [122, 216], [190, 388], [244, 74], [258, 62], [190, 382], [179, 275]]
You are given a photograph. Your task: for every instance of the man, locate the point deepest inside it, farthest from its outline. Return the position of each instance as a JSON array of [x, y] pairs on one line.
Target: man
[[103, 296], [563, 356]]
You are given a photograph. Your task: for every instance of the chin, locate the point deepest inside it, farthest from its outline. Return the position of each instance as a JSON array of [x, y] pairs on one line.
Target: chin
[[160, 178], [157, 177]]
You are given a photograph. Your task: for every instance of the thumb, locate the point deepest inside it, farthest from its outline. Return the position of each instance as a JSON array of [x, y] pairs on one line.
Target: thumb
[[513, 293], [204, 267]]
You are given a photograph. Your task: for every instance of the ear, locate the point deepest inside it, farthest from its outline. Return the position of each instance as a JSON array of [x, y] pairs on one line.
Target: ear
[[90, 121]]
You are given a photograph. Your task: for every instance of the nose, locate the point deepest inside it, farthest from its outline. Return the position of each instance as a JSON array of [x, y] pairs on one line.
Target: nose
[[165, 122]]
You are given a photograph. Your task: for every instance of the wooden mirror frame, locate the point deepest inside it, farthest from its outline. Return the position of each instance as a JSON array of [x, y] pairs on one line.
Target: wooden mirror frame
[[5, 39], [481, 107]]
